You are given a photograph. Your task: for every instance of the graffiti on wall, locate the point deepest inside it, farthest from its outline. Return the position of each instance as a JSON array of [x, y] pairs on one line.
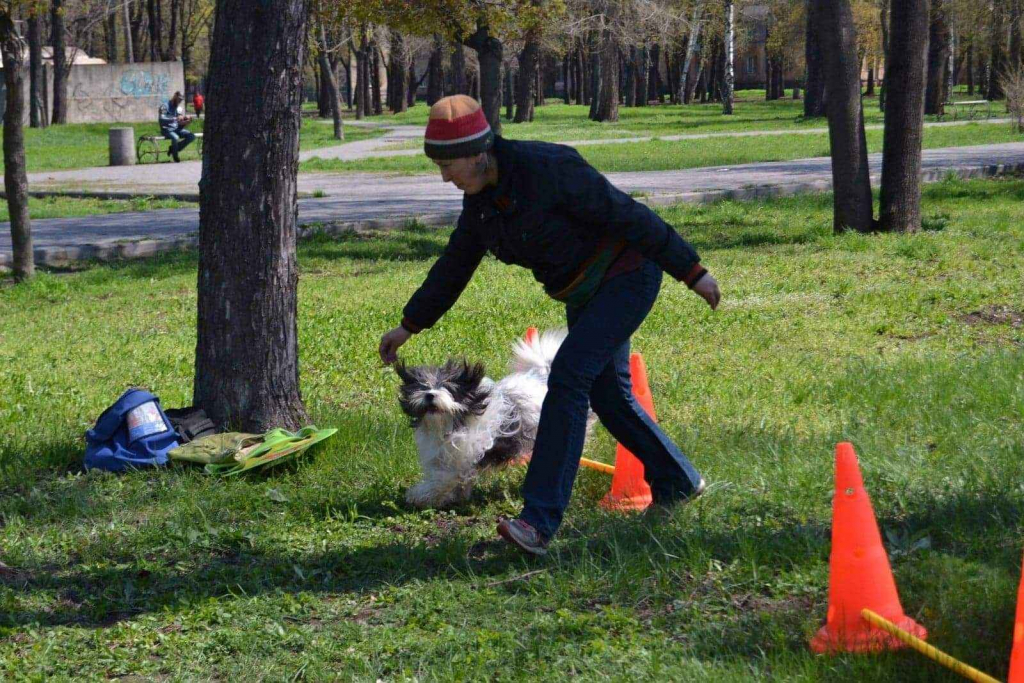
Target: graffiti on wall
[[138, 83]]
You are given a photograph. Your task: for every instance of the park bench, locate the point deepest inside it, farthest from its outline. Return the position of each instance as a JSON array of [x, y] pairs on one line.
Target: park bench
[[967, 110], [156, 145]]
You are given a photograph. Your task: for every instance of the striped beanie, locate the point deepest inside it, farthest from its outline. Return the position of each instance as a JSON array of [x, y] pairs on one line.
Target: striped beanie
[[457, 128]]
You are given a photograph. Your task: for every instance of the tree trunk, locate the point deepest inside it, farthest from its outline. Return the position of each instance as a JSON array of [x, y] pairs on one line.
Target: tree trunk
[[1016, 47], [435, 71], [60, 63], [814, 96], [489, 53], [136, 24], [608, 104], [110, 37], [688, 79], [154, 31], [870, 92], [905, 69], [997, 63], [884, 17], [172, 48], [373, 63], [129, 52], [327, 78], [361, 103], [15, 177], [509, 97], [654, 91], [850, 179], [729, 77], [970, 69], [595, 78], [938, 52], [399, 81], [629, 83], [643, 73], [527, 78], [458, 66], [247, 367], [37, 113]]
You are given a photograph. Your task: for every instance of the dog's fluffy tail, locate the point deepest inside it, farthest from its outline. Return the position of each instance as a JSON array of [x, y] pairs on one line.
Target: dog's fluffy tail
[[537, 354]]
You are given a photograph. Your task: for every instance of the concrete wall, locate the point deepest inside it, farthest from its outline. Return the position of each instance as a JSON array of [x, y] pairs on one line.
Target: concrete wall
[[113, 93]]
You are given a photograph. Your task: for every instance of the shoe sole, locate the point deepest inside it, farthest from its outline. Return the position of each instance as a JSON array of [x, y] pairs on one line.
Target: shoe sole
[[504, 532]]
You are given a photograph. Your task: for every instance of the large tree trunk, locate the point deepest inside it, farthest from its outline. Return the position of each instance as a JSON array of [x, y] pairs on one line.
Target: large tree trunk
[[327, 78], [60, 63], [15, 177], [247, 366], [905, 69], [608, 104], [595, 77], [154, 31], [643, 73], [37, 112], [938, 52], [850, 179], [435, 72], [687, 71], [489, 52], [814, 96], [997, 63], [629, 77], [729, 77], [527, 78], [398, 79], [654, 91]]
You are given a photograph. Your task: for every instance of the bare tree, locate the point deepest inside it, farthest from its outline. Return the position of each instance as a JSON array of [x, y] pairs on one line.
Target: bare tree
[[906, 67], [938, 55], [730, 57], [12, 47]]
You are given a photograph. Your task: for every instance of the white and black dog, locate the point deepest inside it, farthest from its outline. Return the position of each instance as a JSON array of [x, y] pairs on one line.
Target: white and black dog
[[467, 423]]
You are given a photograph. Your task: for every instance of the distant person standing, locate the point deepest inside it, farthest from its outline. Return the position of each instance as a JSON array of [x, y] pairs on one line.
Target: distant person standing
[[197, 104], [173, 125]]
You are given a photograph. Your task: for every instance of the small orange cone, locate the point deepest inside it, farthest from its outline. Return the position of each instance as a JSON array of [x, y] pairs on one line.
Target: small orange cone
[[531, 335], [859, 572], [629, 489], [1017, 653]]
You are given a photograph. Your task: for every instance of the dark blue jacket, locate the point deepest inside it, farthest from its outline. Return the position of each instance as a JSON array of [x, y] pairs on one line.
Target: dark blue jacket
[[550, 212]]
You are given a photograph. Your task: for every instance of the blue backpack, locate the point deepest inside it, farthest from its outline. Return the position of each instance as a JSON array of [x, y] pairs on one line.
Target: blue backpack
[[131, 434]]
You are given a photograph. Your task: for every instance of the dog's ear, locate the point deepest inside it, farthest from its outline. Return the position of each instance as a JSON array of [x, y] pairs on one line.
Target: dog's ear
[[472, 373], [403, 372]]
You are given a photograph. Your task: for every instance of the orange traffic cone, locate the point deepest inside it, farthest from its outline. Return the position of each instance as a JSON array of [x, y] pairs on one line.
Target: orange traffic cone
[[629, 489], [530, 337], [1017, 653], [859, 572]]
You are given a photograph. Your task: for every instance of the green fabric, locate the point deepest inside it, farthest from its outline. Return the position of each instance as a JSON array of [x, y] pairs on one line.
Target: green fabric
[[232, 453], [589, 282]]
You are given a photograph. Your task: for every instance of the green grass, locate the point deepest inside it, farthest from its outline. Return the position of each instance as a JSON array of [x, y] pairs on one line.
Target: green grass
[[321, 572], [662, 155], [67, 207], [81, 145]]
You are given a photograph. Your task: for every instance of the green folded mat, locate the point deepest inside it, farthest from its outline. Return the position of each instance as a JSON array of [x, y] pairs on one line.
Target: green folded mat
[[232, 453]]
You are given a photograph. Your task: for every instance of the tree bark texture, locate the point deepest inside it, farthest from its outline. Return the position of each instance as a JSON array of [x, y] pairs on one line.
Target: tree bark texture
[[37, 114], [643, 74], [129, 52], [527, 78], [608, 102], [938, 53], [110, 37], [458, 67], [997, 63], [373, 63], [687, 71], [595, 80], [729, 77], [15, 176], [328, 80], [814, 96], [906, 70], [60, 64], [247, 367], [629, 81], [398, 81], [435, 72], [489, 52], [970, 69], [883, 15], [850, 180], [1016, 40]]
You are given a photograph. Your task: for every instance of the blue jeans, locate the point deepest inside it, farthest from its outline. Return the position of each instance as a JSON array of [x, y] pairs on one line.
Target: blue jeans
[[180, 139], [592, 367]]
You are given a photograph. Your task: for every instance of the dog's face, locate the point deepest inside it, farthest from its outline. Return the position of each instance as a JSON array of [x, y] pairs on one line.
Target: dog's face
[[450, 393]]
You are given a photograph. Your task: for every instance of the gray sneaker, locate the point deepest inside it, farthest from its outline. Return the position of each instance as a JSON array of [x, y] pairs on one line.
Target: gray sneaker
[[523, 536]]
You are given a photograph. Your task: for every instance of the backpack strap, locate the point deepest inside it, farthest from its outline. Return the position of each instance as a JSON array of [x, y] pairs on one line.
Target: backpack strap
[[191, 423]]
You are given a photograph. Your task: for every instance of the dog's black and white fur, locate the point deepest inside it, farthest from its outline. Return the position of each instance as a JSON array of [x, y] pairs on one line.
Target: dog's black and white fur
[[467, 423]]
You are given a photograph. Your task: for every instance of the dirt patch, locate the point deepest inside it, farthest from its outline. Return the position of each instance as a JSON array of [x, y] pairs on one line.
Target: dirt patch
[[995, 315]]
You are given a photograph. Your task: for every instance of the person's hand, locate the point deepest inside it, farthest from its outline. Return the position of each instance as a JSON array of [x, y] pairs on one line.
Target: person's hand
[[707, 287], [390, 342]]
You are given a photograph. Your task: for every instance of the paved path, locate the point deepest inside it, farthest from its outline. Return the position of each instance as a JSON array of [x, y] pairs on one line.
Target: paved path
[[369, 200], [183, 178]]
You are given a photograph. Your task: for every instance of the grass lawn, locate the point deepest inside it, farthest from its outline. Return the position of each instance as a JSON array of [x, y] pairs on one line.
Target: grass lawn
[[81, 145], [910, 346], [662, 155], [556, 121], [67, 207]]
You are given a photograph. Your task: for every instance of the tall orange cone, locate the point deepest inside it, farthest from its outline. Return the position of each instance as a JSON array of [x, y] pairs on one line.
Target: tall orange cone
[[629, 489], [860, 576], [1017, 653]]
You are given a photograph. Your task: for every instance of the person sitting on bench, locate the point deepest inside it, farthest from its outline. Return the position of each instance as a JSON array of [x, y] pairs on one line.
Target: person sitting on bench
[[172, 125]]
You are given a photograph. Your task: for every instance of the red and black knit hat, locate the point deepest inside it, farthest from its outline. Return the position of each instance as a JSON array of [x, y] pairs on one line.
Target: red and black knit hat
[[457, 128]]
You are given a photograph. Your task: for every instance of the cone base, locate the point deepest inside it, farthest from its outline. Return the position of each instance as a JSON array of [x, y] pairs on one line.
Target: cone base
[[626, 503], [867, 639]]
